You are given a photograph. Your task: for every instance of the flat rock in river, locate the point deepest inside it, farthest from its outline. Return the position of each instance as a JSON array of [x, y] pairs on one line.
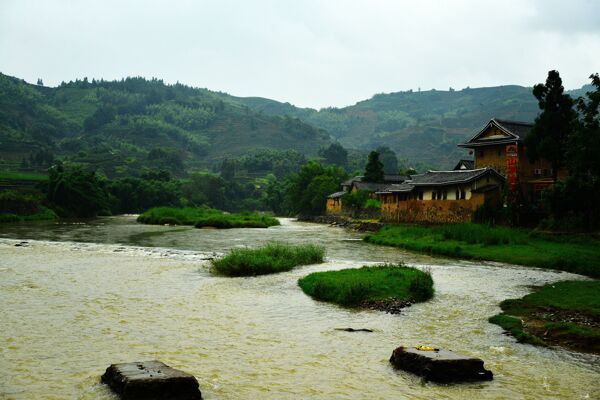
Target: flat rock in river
[[440, 365], [151, 380]]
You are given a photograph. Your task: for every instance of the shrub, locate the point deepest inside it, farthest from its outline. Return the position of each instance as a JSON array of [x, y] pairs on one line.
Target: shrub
[[271, 258]]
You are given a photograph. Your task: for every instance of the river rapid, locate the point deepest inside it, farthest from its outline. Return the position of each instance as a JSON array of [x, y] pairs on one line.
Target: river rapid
[[79, 296]]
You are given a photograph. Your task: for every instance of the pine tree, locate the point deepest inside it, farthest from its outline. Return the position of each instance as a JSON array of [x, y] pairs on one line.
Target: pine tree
[[374, 169]]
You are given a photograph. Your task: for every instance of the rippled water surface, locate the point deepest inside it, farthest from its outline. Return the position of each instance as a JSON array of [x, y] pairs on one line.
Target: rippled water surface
[[78, 297]]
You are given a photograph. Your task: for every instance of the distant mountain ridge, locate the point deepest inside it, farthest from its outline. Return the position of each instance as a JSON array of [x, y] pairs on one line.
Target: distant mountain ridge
[[422, 126], [122, 126]]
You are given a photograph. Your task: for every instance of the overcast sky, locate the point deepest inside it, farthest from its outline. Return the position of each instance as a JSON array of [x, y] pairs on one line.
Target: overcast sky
[[309, 53]]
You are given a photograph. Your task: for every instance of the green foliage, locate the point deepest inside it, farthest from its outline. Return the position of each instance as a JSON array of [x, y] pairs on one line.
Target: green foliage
[[118, 125], [355, 200], [373, 169], [554, 125], [205, 217], [335, 154], [271, 258], [509, 245], [574, 203], [307, 191], [389, 160], [77, 193], [18, 206], [351, 287]]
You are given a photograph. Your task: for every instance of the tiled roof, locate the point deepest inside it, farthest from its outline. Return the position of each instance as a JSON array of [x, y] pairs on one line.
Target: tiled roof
[[441, 178], [515, 132], [370, 186], [395, 178], [349, 182], [520, 129]]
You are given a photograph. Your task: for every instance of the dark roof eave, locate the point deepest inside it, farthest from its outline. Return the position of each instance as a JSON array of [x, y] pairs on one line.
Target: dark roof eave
[[469, 145]]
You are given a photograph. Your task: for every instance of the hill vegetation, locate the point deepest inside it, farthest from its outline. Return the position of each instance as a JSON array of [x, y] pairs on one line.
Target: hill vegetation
[[422, 127], [120, 127]]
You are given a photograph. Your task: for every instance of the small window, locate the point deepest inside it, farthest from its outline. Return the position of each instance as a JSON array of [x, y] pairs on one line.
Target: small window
[[456, 195], [481, 153], [463, 194], [434, 196], [537, 171], [420, 195], [445, 195]]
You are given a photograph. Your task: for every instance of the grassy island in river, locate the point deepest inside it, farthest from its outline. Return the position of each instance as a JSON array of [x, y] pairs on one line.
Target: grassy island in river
[[371, 287], [205, 217], [563, 313], [269, 259], [575, 254]]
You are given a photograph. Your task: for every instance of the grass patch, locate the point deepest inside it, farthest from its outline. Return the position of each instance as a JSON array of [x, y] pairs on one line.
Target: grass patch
[[351, 287], [22, 176], [18, 207], [564, 313], [510, 245], [269, 259], [205, 217]]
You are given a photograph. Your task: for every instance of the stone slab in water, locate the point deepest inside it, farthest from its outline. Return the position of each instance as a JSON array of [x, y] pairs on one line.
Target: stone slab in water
[[151, 380], [440, 365]]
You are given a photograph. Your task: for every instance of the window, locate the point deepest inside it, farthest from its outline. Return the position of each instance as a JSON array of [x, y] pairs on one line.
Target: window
[[456, 195], [420, 195], [481, 153], [445, 195], [537, 171], [463, 195], [433, 195]]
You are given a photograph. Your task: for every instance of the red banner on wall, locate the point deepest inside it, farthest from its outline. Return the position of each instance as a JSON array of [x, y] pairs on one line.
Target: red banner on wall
[[512, 171]]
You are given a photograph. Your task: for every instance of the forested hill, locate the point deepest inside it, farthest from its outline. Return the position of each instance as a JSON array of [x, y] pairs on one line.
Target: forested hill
[[422, 126], [122, 126]]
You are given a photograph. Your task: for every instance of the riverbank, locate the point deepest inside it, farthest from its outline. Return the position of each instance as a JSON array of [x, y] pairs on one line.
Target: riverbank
[[23, 206], [360, 225], [577, 254], [565, 313]]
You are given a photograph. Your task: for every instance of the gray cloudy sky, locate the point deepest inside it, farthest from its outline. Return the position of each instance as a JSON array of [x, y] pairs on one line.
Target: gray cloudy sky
[[310, 53]]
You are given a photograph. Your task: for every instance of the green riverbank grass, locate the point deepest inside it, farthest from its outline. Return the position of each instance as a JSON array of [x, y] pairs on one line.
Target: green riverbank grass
[[269, 259], [44, 214], [509, 245], [23, 176], [16, 206], [205, 217], [351, 287], [564, 313]]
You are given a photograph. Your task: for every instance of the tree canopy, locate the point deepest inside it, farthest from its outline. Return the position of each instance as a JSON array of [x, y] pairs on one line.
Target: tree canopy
[[373, 169], [554, 125]]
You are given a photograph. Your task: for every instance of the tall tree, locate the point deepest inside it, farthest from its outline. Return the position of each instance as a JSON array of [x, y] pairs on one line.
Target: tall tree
[[584, 146], [389, 160], [553, 126], [373, 169], [335, 154]]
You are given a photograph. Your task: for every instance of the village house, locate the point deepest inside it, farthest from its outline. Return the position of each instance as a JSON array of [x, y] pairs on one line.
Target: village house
[[440, 196], [334, 200], [500, 145]]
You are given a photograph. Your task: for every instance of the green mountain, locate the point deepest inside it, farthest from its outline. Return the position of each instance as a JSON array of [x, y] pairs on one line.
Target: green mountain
[[423, 127], [123, 126]]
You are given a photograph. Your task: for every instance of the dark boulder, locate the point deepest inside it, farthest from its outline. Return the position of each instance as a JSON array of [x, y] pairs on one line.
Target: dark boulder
[[151, 380], [440, 365]]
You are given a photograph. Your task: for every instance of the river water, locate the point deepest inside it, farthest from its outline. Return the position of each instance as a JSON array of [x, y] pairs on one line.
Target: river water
[[79, 296]]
